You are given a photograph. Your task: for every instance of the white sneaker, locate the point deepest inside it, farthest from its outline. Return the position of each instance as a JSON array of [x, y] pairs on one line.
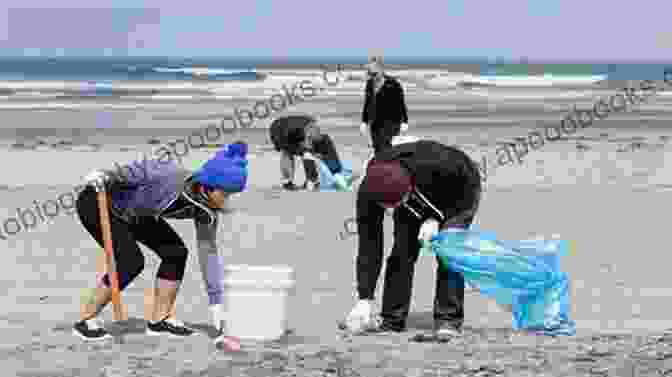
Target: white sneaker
[[360, 318]]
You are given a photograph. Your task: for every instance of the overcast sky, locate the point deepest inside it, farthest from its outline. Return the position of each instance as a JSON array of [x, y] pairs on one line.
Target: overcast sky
[[539, 29]]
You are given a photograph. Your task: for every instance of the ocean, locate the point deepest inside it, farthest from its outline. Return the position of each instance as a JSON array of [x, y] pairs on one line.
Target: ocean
[[239, 69], [120, 94]]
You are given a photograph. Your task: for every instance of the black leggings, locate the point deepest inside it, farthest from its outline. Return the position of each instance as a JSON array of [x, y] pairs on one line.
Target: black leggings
[[154, 233]]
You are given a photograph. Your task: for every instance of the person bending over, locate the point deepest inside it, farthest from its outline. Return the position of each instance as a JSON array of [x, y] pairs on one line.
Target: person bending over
[[299, 136], [429, 186], [139, 205]]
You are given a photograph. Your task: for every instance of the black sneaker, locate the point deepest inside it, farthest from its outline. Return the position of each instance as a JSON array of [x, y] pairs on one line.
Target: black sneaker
[[90, 329], [382, 327], [311, 186], [290, 186], [171, 327], [441, 334]]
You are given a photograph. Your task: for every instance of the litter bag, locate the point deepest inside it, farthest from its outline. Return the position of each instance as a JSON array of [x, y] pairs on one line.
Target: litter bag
[[524, 275], [328, 181]]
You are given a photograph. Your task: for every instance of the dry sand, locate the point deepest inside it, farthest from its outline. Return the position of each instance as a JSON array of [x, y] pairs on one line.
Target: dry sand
[[604, 189]]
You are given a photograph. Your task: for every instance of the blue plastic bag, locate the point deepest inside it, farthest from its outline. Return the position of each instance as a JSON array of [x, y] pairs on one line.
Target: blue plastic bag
[[327, 181], [523, 274]]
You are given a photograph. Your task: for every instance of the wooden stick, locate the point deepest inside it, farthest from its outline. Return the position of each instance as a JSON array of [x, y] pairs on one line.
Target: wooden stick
[[110, 262]]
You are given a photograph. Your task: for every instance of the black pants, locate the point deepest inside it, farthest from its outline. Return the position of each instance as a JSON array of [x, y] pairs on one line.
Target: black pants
[[156, 234], [323, 147], [382, 134], [399, 271]]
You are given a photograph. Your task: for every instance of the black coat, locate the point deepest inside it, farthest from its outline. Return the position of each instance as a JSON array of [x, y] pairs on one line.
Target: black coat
[[445, 175], [287, 133], [387, 108]]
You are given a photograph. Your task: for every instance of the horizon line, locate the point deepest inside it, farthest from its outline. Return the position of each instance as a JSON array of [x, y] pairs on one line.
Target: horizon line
[[388, 58]]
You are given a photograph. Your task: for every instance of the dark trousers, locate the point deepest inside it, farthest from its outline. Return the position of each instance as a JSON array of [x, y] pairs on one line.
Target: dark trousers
[[325, 148], [382, 134], [399, 271]]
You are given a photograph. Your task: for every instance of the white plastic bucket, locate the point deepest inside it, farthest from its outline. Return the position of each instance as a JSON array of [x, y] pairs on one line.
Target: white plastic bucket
[[256, 301]]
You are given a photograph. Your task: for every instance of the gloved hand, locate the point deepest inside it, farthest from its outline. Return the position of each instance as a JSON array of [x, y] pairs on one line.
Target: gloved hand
[[404, 127], [97, 179], [217, 316], [340, 181], [360, 317], [428, 230], [364, 129]]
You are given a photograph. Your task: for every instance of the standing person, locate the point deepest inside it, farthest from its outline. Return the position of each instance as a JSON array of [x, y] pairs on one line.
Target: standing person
[[299, 136], [385, 114], [139, 205], [429, 186]]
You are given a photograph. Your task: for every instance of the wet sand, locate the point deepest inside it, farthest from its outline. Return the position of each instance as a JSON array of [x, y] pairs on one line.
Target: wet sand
[[604, 188]]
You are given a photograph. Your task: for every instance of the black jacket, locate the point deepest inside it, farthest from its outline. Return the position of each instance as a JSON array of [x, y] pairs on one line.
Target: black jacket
[[445, 175], [387, 106], [287, 133]]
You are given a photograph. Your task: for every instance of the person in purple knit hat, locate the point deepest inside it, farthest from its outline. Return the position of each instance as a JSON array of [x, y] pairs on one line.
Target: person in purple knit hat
[[139, 205]]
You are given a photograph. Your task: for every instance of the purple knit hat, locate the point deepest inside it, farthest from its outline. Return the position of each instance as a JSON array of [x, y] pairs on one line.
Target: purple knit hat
[[386, 182]]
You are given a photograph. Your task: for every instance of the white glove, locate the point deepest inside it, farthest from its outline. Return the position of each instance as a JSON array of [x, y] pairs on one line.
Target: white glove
[[428, 229], [364, 129], [360, 317], [404, 127], [341, 182], [97, 179], [217, 316]]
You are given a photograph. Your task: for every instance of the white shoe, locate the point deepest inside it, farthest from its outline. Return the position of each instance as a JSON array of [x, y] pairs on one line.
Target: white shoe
[[360, 318]]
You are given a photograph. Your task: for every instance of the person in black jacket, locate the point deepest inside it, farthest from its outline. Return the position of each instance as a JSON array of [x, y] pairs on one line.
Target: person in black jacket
[[385, 114], [299, 136], [430, 186]]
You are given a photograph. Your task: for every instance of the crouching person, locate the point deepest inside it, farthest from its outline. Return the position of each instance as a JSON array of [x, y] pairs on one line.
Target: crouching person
[[298, 136], [428, 186], [139, 205]]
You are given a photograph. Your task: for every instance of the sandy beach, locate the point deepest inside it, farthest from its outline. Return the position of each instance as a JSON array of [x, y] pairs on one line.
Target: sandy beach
[[604, 188]]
